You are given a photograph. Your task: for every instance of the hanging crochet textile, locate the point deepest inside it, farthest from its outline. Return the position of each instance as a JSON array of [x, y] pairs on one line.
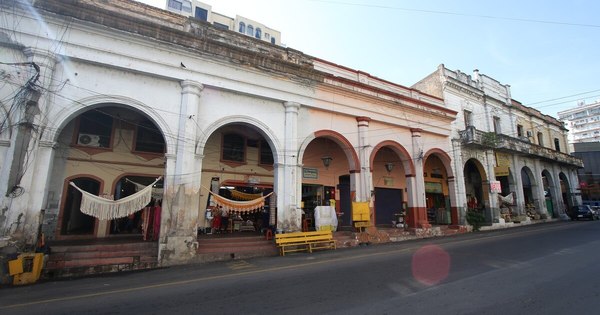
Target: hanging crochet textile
[[157, 193], [240, 206], [106, 209], [238, 195]]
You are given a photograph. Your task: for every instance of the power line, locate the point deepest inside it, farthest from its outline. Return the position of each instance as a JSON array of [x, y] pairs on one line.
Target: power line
[[491, 17]]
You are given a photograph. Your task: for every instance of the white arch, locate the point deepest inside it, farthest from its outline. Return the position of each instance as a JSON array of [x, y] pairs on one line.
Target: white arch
[[267, 132], [65, 115]]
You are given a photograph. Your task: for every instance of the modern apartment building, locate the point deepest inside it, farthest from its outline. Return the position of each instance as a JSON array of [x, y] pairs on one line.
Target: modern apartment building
[[583, 122], [204, 12]]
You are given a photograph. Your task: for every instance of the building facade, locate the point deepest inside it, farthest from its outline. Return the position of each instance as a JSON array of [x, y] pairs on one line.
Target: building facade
[[243, 25], [583, 122], [504, 149], [114, 94]]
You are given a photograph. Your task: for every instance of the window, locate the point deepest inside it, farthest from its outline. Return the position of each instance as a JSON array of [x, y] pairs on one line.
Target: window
[[234, 148], [95, 129], [242, 27], [273, 40], [519, 131], [557, 144], [180, 5], [267, 36], [201, 14], [497, 129], [250, 30], [149, 138], [175, 4], [266, 155], [221, 26], [186, 6], [468, 118], [258, 33], [540, 137]]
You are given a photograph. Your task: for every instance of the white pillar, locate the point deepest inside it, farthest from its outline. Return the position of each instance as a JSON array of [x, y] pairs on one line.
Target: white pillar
[[289, 183], [365, 185], [179, 221]]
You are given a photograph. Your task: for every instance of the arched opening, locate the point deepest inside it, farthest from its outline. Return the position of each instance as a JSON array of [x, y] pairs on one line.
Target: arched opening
[[238, 166], [145, 221], [565, 190], [476, 195], [110, 141], [549, 195], [436, 191], [389, 183], [73, 221], [328, 161], [528, 189]]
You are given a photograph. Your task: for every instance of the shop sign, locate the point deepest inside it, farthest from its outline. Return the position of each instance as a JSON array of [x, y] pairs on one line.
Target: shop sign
[[495, 186], [435, 188], [310, 173]]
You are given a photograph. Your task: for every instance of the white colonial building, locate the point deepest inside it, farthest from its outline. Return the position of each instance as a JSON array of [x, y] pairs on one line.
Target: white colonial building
[[109, 95], [500, 147]]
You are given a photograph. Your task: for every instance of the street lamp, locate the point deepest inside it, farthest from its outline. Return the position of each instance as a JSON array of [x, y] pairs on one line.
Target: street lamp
[[326, 161], [389, 167]]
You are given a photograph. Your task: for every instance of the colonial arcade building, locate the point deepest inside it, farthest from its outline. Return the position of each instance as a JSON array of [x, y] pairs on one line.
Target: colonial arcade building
[[115, 96], [514, 160]]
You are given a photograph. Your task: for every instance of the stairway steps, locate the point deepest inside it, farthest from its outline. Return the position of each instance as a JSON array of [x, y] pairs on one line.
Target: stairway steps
[[72, 260]]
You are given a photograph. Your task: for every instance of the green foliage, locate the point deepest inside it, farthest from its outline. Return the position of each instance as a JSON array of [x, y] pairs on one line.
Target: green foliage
[[475, 218], [489, 139]]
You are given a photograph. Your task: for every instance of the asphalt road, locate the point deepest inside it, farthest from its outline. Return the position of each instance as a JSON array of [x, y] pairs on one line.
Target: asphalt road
[[549, 268]]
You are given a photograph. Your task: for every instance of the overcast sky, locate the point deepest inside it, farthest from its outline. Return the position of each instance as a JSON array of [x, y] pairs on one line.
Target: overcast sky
[[547, 51]]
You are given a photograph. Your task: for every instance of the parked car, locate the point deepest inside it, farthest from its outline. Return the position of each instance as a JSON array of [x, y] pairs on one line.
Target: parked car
[[583, 212]]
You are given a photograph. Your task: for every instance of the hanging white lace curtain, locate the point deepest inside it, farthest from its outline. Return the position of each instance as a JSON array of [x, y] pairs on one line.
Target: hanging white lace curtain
[[106, 209], [157, 193]]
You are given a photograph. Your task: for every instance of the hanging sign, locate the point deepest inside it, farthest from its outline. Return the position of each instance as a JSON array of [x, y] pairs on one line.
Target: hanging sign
[[495, 186], [310, 173]]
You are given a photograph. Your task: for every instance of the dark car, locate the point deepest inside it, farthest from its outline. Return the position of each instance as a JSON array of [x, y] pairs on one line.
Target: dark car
[[583, 212]]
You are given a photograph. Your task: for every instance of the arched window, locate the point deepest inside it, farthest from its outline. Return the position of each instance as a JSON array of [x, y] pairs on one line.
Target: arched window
[[273, 40], [250, 30], [242, 27], [258, 33]]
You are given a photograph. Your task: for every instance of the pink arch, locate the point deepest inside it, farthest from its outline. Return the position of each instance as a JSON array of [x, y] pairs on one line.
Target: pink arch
[[444, 157], [336, 137], [409, 166]]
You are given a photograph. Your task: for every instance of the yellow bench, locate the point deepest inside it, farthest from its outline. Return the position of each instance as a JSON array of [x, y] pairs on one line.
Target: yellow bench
[[304, 241]]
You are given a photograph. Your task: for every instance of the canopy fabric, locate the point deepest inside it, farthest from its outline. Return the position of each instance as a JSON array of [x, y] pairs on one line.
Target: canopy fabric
[[157, 193], [239, 206], [106, 209]]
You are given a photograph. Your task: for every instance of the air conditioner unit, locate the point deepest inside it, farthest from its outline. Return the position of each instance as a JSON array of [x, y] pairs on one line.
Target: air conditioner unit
[[88, 140], [529, 134]]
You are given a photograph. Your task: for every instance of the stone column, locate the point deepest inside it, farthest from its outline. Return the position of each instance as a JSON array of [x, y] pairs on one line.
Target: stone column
[[557, 198], [519, 184], [417, 207], [179, 221], [289, 182], [365, 185]]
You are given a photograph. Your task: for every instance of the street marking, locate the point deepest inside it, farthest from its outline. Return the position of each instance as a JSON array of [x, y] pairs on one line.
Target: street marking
[[240, 265]]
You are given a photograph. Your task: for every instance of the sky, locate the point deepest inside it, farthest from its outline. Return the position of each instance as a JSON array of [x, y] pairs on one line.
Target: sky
[[548, 51]]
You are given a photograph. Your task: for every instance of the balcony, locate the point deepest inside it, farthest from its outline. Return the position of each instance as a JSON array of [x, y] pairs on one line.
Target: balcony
[[474, 138]]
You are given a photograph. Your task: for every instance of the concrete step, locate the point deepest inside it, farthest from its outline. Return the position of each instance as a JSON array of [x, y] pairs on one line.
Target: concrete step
[[81, 258]]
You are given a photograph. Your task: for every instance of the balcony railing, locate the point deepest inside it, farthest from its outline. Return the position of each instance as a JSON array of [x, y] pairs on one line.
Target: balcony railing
[[522, 146]]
